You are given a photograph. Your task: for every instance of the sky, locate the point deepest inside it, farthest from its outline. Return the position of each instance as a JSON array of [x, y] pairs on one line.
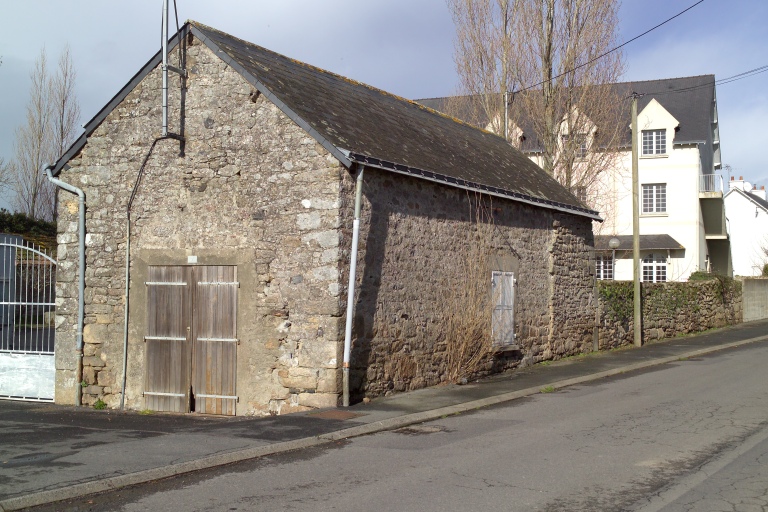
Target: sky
[[402, 46]]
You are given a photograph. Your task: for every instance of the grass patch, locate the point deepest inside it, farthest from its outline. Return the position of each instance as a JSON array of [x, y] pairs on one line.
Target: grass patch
[[548, 389]]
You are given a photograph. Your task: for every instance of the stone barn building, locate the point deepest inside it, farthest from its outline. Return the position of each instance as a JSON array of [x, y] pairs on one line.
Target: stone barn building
[[238, 231]]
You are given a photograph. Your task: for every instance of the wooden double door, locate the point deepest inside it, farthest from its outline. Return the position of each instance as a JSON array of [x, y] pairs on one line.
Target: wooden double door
[[191, 339]]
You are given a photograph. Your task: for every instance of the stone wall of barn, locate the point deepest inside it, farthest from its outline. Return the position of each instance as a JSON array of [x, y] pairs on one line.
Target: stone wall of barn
[[251, 189], [424, 246]]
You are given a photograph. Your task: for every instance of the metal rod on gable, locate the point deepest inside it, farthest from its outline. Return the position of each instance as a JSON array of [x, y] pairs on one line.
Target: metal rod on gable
[[165, 68]]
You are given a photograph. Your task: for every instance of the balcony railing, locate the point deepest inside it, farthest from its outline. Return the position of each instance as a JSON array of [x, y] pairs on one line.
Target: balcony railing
[[710, 183]]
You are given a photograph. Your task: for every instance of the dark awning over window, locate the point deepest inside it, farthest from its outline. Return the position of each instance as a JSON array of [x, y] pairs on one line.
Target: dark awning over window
[[647, 243]]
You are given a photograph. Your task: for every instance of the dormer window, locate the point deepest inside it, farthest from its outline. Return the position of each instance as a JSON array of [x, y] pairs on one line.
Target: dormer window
[[654, 142], [579, 143]]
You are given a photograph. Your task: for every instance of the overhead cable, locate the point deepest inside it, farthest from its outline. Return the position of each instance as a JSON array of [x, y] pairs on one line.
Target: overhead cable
[[611, 50]]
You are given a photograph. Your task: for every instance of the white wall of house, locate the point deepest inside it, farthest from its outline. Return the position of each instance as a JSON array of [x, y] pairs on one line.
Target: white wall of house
[[677, 169], [748, 222]]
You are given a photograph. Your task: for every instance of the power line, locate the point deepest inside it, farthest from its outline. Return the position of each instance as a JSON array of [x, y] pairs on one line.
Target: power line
[[722, 81], [611, 50]]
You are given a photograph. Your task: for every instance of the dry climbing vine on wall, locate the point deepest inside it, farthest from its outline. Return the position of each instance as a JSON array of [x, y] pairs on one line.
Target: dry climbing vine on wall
[[467, 307]]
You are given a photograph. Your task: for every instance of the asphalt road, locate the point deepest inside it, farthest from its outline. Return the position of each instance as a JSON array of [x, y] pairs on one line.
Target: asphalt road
[[685, 436]]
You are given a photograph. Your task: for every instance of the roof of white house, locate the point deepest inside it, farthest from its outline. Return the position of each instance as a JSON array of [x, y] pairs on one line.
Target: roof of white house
[[360, 124], [759, 201], [647, 243], [688, 99]]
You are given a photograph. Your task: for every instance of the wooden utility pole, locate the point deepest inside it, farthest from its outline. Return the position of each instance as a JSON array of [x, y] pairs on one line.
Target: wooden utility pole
[[506, 115], [638, 331]]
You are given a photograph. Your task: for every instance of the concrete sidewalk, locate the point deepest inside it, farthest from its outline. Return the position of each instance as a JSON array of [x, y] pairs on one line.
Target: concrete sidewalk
[[50, 453]]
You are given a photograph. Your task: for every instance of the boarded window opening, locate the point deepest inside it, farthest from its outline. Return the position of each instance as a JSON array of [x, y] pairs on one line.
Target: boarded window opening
[[503, 317]]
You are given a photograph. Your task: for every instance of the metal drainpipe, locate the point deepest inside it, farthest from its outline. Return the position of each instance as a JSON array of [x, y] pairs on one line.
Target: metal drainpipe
[[81, 282], [127, 301], [351, 290], [128, 266], [165, 68]]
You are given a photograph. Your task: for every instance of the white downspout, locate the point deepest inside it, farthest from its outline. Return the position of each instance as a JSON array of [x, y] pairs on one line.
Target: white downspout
[[81, 281], [351, 290]]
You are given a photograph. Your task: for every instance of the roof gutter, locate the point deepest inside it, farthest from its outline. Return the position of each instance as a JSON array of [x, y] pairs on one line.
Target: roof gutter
[[81, 277]]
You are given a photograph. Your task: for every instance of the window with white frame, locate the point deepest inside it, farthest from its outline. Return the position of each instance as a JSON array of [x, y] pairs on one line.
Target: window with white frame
[[655, 268], [604, 267], [503, 315], [580, 145], [655, 198], [580, 192], [654, 142]]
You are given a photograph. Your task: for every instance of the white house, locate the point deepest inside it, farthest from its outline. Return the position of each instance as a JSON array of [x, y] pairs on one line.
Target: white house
[[746, 209], [682, 219]]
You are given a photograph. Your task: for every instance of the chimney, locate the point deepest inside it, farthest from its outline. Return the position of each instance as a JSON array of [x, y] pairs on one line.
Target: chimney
[[759, 193], [739, 184]]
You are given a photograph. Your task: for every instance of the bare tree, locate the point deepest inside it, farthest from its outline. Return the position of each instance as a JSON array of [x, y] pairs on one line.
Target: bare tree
[[6, 175], [5, 168], [33, 149], [569, 119], [66, 109], [51, 118], [484, 59]]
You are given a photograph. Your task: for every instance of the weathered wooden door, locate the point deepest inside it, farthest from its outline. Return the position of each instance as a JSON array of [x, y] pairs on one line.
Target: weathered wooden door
[[215, 346], [168, 344], [191, 352]]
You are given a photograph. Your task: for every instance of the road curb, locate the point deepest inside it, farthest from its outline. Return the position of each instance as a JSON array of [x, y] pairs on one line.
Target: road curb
[[141, 477], [420, 417], [150, 475]]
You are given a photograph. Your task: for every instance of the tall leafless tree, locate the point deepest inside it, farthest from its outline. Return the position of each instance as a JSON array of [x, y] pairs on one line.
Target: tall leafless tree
[[52, 114], [5, 175], [570, 120], [5, 168], [66, 109]]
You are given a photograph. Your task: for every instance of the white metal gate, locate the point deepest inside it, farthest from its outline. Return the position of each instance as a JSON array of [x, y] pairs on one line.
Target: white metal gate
[[27, 312]]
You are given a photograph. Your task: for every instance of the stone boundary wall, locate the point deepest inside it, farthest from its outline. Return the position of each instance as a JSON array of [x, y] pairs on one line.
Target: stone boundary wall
[[755, 293], [669, 309]]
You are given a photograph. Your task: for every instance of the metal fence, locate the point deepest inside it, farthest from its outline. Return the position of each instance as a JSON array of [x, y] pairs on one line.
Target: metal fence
[[711, 183], [27, 297]]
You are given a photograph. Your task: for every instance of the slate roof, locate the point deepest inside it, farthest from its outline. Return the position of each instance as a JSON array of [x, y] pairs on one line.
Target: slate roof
[[759, 201], [691, 104], [647, 243], [359, 123]]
